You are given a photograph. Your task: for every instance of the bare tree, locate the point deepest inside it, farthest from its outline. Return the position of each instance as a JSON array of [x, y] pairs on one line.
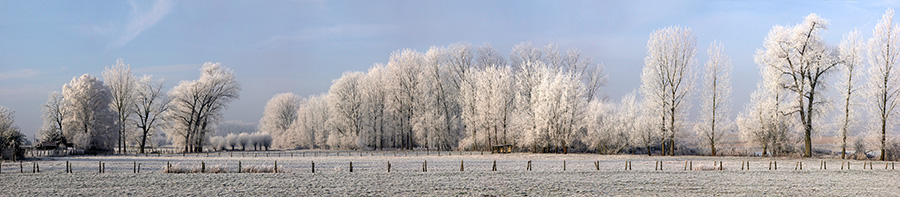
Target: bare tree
[[716, 98], [197, 105], [150, 104], [851, 50], [884, 84], [668, 77], [53, 113], [801, 55]]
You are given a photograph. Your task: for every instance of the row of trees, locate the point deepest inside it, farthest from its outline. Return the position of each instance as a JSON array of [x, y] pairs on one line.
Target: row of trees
[[258, 141], [451, 97], [538, 98], [543, 100], [796, 63], [98, 115]]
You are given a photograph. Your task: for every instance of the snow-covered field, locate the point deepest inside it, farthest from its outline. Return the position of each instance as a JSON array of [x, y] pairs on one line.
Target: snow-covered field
[[370, 176]]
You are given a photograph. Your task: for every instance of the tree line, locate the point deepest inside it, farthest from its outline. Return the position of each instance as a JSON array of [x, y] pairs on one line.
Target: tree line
[[539, 99]]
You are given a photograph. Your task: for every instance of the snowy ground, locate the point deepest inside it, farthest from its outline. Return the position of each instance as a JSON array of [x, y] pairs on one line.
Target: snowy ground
[[370, 176]]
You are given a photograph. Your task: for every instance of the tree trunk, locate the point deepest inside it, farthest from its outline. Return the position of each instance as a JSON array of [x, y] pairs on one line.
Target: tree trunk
[[143, 142], [883, 132]]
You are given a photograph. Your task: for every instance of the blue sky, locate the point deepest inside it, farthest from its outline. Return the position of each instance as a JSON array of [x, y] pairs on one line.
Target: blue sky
[[300, 46]]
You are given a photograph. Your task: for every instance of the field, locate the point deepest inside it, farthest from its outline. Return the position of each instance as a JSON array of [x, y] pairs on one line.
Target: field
[[548, 176]]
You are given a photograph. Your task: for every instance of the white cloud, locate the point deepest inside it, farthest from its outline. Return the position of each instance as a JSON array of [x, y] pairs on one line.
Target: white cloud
[[142, 20], [18, 74]]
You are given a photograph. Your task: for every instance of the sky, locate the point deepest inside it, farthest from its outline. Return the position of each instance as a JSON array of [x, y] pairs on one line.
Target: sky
[[301, 46]]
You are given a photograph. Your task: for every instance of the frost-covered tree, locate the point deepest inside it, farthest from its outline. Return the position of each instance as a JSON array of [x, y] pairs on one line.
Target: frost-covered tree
[[345, 103], [54, 111], [403, 87], [244, 140], [197, 105], [89, 121], [280, 113], [150, 104], [851, 50], [554, 102], [641, 123], [438, 123], [609, 126], [491, 96], [716, 98], [764, 121], [231, 140], [800, 53], [262, 140], [667, 78], [122, 87], [218, 143], [374, 98], [311, 124], [11, 138], [884, 83]]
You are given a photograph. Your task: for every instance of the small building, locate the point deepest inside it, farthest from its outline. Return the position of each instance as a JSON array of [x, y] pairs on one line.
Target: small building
[[47, 146], [501, 149]]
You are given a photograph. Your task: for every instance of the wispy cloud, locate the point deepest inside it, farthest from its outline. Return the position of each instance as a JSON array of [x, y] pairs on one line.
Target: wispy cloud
[[167, 68], [142, 20], [18, 74], [351, 31]]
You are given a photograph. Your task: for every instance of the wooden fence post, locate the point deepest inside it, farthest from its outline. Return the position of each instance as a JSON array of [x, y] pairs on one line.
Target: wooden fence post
[[494, 166], [99, 166], [240, 167], [276, 166], [424, 166], [529, 166], [313, 166], [461, 165], [389, 166], [351, 166], [202, 167], [564, 165], [139, 168], [134, 167]]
